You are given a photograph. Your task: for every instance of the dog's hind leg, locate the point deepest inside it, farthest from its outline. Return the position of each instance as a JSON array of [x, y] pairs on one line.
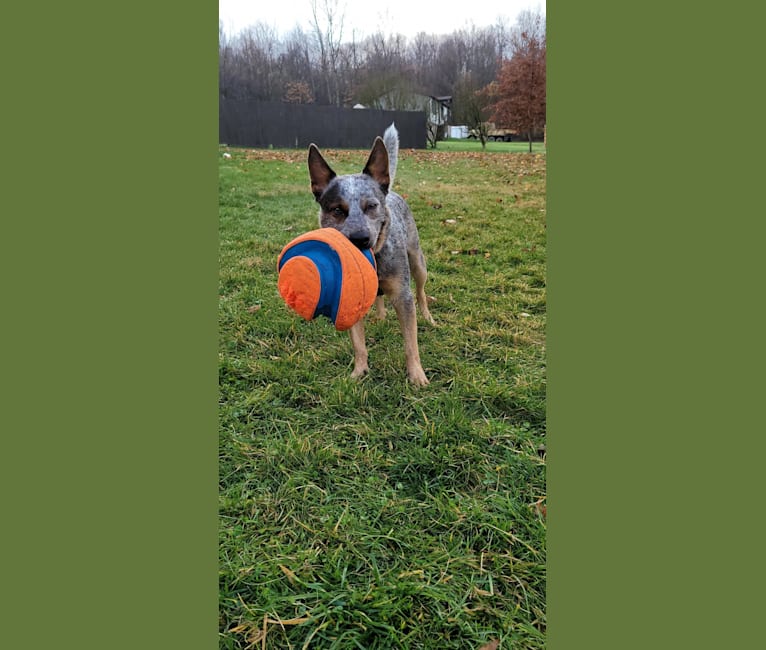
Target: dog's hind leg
[[418, 269], [360, 350], [380, 308]]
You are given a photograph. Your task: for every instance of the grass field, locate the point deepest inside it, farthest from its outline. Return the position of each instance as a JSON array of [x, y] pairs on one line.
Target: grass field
[[492, 147], [373, 514]]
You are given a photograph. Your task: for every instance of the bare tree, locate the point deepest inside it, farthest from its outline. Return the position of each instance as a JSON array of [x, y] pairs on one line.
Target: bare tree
[[385, 79], [259, 63], [328, 18], [530, 26], [225, 55], [470, 107], [295, 61], [502, 37]]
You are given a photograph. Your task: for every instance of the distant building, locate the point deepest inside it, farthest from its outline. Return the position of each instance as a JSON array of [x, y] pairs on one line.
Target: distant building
[[438, 109], [459, 132]]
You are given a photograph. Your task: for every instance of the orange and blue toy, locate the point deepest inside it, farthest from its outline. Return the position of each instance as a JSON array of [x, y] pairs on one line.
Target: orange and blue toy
[[322, 273]]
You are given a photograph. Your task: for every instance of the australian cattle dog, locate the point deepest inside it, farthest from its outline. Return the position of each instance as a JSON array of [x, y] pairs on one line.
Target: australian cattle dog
[[364, 209]]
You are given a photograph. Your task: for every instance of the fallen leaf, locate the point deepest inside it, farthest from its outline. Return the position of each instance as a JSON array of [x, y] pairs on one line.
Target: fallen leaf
[[239, 628], [492, 645], [290, 574], [481, 592], [253, 308], [289, 621]]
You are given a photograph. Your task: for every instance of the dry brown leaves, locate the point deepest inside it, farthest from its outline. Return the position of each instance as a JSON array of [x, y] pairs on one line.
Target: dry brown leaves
[[255, 635], [523, 164], [492, 645], [278, 155]]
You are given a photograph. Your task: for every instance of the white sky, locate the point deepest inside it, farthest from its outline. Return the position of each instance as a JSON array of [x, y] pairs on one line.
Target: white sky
[[406, 17]]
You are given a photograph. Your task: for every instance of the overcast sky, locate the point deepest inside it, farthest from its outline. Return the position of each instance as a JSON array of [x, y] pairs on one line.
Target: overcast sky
[[406, 17]]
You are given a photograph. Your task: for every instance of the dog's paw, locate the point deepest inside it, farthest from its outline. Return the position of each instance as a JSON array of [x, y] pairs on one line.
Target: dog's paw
[[359, 373], [426, 314], [417, 377]]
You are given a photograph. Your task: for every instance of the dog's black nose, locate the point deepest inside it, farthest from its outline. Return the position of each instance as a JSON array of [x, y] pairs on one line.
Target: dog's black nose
[[360, 240]]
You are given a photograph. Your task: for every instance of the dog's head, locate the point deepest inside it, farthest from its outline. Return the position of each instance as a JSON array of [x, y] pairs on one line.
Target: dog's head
[[354, 204]]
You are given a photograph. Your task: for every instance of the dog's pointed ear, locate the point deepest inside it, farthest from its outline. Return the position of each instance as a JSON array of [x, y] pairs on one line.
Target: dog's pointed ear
[[377, 164], [319, 171]]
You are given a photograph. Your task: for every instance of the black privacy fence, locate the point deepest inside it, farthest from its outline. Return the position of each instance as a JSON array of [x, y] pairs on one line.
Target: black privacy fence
[[262, 124]]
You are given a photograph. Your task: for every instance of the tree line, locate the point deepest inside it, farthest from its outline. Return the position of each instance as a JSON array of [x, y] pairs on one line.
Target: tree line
[[480, 68]]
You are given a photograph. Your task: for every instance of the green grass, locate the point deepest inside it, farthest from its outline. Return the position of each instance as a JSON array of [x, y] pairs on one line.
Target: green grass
[[373, 514], [492, 147]]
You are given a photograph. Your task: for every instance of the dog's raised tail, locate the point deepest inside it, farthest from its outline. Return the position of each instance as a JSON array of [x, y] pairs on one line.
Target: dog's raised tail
[[391, 140]]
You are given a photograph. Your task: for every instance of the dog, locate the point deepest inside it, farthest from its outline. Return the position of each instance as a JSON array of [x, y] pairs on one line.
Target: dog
[[365, 209]]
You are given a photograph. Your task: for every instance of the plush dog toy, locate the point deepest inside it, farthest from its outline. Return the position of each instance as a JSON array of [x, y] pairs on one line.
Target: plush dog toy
[[322, 272]]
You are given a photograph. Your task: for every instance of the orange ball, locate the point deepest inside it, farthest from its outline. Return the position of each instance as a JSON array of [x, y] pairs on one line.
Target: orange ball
[[322, 273]]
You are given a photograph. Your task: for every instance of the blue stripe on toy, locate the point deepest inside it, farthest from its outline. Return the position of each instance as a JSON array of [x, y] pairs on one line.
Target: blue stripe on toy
[[327, 261], [370, 257]]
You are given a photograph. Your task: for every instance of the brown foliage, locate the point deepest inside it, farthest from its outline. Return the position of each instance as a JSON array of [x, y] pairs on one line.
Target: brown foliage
[[298, 92], [517, 97]]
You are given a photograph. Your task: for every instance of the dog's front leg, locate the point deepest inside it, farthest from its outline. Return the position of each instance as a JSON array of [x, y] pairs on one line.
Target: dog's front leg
[[360, 350]]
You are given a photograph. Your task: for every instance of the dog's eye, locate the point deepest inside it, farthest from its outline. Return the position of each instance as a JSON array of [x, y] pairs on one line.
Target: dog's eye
[[371, 206], [338, 211]]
